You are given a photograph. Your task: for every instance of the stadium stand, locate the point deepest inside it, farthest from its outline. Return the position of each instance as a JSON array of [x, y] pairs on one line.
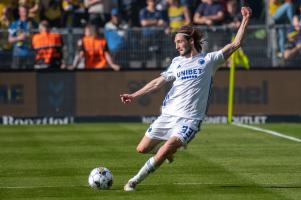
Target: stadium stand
[[260, 46]]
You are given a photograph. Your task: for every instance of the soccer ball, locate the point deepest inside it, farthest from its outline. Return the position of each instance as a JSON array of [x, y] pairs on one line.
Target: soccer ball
[[100, 178]]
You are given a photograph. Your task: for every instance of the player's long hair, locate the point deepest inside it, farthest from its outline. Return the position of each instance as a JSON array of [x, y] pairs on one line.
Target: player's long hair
[[190, 32]]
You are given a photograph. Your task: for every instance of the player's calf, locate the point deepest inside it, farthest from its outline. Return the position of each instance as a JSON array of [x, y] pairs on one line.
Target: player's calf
[[167, 150]]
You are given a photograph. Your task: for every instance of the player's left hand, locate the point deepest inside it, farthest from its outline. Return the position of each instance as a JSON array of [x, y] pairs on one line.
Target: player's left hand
[[246, 12]]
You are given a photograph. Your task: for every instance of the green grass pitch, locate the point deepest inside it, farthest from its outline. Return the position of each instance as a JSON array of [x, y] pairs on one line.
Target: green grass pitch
[[223, 162]]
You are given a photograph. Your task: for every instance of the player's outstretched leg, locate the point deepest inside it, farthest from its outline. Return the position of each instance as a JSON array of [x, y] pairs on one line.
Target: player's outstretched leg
[[167, 150], [147, 168]]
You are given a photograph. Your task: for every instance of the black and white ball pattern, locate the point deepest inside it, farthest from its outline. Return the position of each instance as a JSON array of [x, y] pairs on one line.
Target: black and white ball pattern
[[100, 178]]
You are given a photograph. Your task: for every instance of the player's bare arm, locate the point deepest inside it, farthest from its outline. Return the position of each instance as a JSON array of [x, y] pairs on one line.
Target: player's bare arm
[[149, 87], [232, 47], [288, 53], [198, 19], [109, 58]]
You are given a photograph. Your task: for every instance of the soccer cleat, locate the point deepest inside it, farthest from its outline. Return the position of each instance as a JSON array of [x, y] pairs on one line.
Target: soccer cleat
[[130, 186]]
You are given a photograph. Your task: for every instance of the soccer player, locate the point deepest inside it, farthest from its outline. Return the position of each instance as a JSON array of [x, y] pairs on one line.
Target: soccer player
[[185, 105]]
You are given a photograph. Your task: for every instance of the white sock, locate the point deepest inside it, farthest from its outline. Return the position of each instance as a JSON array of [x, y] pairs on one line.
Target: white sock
[[147, 168]]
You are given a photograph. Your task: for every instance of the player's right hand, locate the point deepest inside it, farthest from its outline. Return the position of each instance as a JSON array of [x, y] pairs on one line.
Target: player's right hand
[[246, 12], [126, 98]]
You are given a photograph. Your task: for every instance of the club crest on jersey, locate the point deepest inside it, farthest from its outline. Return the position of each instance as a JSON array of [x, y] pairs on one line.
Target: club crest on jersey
[[202, 61]]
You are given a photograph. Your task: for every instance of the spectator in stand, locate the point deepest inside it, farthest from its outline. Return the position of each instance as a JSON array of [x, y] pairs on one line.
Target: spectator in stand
[[283, 15], [10, 7], [150, 17], [130, 11], [8, 12], [14, 9], [151, 20], [209, 12], [178, 15], [191, 5], [293, 46], [96, 12], [19, 33], [5, 20], [273, 6], [232, 16], [94, 51], [4, 13], [108, 5], [51, 11], [69, 7], [5, 17], [74, 14], [34, 8], [297, 17], [161, 5], [48, 48], [115, 33]]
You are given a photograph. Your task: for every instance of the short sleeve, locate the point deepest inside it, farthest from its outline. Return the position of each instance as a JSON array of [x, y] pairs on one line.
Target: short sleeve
[[11, 29], [142, 15], [216, 58], [200, 9], [168, 74], [219, 8]]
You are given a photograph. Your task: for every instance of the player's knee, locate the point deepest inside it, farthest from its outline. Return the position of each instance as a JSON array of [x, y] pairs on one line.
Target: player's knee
[[141, 149]]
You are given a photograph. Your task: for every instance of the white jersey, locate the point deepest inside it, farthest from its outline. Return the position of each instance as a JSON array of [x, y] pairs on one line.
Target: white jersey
[[189, 95]]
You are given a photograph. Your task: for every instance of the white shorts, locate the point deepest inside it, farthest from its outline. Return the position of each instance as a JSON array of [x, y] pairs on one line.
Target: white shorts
[[167, 126]]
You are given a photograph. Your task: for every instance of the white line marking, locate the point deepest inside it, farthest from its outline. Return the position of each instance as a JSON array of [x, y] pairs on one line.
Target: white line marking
[[58, 186], [267, 131], [192, 183], [34, 187], [177, 183]]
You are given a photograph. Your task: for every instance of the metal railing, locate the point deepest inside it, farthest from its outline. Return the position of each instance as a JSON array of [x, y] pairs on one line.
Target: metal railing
[[155, 49]]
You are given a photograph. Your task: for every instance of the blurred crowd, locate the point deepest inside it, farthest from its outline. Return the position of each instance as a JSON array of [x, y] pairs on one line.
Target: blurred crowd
[[20, 17], [286, 12], [76, 13]]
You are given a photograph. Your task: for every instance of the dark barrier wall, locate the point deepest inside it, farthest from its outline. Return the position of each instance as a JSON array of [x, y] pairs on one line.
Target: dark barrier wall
[[269, 92], [56, 94], [88, 93], [18, 94], [98, 94]]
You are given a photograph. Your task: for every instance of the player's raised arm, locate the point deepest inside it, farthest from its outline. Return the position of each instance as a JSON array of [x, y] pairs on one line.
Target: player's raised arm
[[149, 87], [233, 46]]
